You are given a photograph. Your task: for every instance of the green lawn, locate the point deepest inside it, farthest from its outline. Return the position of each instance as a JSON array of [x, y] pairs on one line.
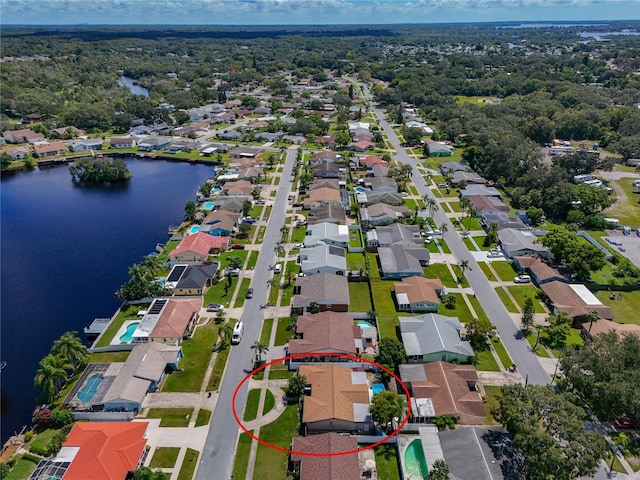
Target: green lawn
[[470, 246], [164, 457], [355, 261], [275, 288], [387, 462], [506, 300], [21, 470], [480, 241], [189, 465], [486, 362], [164, 256], [253, 259], [269, 402], [505, 359], [455, 206], [504, 270], [521, 292], [574, 338], [242, 456], [359, 297], [298, 234], [218, 368], [126, 313], [251, 407], [108, 357], [484, 266], [540, 350], [203, 417], [441, 271], [197, 354], [261, 231], [272, 463], [433, 246], [625, 310], [385, 308], [477, 308], [244, 286], [283, 333], [41, 440], [626, 209], [491, 401], [265, 335], [461, 310], [171, 417]]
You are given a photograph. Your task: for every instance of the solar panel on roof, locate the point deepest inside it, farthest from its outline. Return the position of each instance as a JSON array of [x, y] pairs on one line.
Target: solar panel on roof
[[157, 306], [176, 273]]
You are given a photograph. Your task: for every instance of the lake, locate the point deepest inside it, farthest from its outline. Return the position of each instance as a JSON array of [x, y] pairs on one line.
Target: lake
[[65, 251], [131, 85]]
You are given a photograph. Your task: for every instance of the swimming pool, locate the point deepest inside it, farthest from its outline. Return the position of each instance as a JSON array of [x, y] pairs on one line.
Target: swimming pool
[[363, 324], [415, 465], [194, 229], [360, 190], [377, 388], [128, 334], [90, 387], [208, 206]]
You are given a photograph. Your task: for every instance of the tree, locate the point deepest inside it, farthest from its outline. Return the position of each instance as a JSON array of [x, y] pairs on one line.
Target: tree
[[478, 332], [391, 354], [385, 406], [439, 471], [181, 117], [225, 332], [528, 311], [190, 210], [145, 473], [585, 258], [99, 170], [343, 138], [52, 375], [70, 347], [246, 207], [464, 266], [296, 385], [560, 241], [535, 215], [555, 334], [235, 261], [293, 322], [152, 263], [244, 229], [260, 348], [547, 428], [444, 229], [205, 189], [431, 204], [450, 302], [412, 136]]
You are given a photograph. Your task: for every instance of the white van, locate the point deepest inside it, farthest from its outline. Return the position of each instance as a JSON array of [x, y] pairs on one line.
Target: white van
[[238, 330], [277, 268]]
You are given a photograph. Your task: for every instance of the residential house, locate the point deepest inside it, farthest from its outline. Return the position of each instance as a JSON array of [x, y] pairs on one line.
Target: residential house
[[323, 195], [325, 332], [327, 213], [141, 130], [450, 167], [240, 187], [474, 189], [390, 198], [591, 329], [400, 262], [362, 146], [104, 450], [220, 223], [231, 204], [574, 299], [328, 291], [353, 126], [323, 258], [122, 142], [378, 171], [370, 161], [471, 454], [382, 184], [198, 247], [502, 220], [168, 320], [539, 270], [382, 214], [16, 153], [65, 133], [432, 337], [86, 145], [191, 279], [250, 173], [338, 400], [325, 182], [426, 130], [516, 243], [395, 235], [325, 156], [247, 152], [440, 149], [24, 135], [324, 459], [458, 177], [230, 135], [33, 118], [294, 139], [269, 137], [43, 150], [486, 205], [419, 294], [328, 170], [442, 388], [327, 141], [153, 143], [327, 233]]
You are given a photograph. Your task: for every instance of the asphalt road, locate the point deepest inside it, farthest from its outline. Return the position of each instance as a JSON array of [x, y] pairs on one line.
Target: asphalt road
[[217, 457], [519, 349]]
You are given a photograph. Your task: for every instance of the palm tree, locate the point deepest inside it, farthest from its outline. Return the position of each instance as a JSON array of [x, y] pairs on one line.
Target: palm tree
[[592, 316], [152, 263], [288, 278], [260, 348], [51, 375], [464, 265], [432, 204], [71, 348], [137, 272], [444, 229], [225, 332], [285, 232]]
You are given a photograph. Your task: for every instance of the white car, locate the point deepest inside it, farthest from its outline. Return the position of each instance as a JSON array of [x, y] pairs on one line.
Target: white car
[[522, 279], [298, 245], [494, 254]]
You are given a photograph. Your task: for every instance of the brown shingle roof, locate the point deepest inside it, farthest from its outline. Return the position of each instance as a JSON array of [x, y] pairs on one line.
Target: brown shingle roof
[[605, 326], [337, 467], [540, 269], [325, 331], [322, 288], [418, 289], [332, 393], [565, 298]]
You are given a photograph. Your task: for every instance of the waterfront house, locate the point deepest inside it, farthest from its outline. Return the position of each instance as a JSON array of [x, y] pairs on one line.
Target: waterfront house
[[198, 247], [323, 258], [16, 153], [247, 152], [86, 145], [231, 204], [44, 150], [239, 187], [321, 465], [24, 135], [153, 143], [327, 233], [326, 290], [168, 320], [418, 294], [400, 262], [122, 142], [431, 337], [191, 279], [442, 388], [220, 223], [337, 400]]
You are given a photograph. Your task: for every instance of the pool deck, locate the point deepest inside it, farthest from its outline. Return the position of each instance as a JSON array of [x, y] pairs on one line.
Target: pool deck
[[431, 448], [121, 331]]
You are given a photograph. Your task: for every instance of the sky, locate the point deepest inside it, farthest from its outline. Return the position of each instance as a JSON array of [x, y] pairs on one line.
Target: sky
[[304, 12]]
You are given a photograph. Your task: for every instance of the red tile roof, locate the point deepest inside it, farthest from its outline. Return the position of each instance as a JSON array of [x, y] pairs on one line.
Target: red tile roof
[[325, 331], [338, 467], [200, 243], [108, 450], [175, 317]]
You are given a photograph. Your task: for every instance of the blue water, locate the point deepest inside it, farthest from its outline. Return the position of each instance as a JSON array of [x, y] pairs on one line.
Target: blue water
[[208, 206], [415, 465], [377, 388], [128, 334], [89, 389], [360, 190], [65, 249], [364, 324], [135, 89], [194, 229]]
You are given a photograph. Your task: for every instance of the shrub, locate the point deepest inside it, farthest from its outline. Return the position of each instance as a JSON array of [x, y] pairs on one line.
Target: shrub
[[28, 436], [61, 417], [443, 422], [31, 458], [43, 417]]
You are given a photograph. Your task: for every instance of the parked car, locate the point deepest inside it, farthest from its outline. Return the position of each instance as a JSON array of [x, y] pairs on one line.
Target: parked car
[[237, 246], [260, 202], [249, 293], [404, 194], [442, 185], [626, 423], [298, 205], [298, 245], [233, 272], [214, 307], [494, 254], [522, 279], [248, 220]]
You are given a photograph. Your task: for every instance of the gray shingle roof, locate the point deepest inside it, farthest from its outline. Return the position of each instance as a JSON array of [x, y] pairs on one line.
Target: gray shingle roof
[[432, 333]]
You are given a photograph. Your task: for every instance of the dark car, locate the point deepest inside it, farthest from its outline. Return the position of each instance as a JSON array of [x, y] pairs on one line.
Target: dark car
[[237, 246], [249, 293]]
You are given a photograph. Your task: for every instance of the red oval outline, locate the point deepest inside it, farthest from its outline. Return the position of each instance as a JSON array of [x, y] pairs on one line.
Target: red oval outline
[[318, 354]]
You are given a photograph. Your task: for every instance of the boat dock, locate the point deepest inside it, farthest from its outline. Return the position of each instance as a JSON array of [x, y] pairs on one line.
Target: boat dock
[[97, 326]]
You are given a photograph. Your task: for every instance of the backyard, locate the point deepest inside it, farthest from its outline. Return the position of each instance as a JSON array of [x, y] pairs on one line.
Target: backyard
[[359, 297]]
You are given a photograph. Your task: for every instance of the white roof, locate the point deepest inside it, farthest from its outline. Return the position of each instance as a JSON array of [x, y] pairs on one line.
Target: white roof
[[585, 294], [422, 407]]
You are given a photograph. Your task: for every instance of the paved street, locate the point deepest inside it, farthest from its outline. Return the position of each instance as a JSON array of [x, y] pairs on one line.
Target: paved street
[[217, 457], [519, 349]]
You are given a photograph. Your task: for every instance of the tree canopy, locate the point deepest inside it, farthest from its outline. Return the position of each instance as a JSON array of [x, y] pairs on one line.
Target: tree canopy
[[98, 170]]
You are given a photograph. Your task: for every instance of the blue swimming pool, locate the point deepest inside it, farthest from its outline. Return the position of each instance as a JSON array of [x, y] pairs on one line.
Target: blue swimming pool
[[415, 465], [90, 387], [128, 334], [208, 206], [360, 190], [377, 388], [363, 324], [194, 229]]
